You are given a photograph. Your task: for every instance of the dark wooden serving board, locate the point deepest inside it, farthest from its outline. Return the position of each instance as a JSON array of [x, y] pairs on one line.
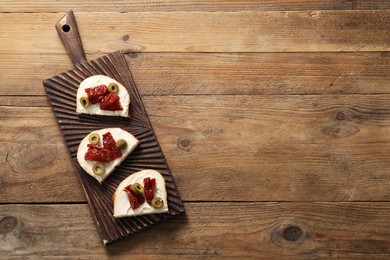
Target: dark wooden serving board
[[61, 91]]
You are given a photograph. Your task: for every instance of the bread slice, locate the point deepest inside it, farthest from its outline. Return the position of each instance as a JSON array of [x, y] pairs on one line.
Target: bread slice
[[122, 207], [94, 109], [117, 133]]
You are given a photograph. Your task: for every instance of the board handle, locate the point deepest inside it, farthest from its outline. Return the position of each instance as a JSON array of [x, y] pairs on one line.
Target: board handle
[[70, 37]]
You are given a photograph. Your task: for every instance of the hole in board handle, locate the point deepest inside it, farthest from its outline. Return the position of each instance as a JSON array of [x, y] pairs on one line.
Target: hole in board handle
[[65, 28]]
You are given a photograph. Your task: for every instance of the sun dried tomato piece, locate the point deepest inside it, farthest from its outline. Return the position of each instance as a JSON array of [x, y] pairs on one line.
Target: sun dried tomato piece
[[111, 102], [107, 153], [110, 144], [96, 153], [96, 94], [149, 187], [135, 200]]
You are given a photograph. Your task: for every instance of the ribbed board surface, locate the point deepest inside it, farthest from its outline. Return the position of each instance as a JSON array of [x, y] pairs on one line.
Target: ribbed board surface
[[61, 91]]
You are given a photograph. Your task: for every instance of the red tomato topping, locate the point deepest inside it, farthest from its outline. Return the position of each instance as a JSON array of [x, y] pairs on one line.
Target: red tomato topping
[[107, 153], [96, 153], [110, 144], [149, 187], [135, 200], [96, 94], [110, 102]]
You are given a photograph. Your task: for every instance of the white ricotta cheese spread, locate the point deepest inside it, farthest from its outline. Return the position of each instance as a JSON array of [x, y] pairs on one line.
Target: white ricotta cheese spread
[[117, 133], [122, 207], [94, 109]]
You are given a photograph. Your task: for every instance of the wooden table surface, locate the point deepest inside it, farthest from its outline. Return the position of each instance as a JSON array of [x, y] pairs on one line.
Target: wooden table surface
[[274, 117]]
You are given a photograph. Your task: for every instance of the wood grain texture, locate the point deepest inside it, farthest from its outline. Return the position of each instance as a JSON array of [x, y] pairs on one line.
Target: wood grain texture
[[286, 100], [250, 230], [188, 5], [69, 34], [61, 92], [219, 73], [34, 160], [259, 31], [283, 148]]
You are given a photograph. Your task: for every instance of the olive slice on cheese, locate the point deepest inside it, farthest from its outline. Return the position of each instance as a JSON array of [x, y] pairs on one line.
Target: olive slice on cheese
[[137, 188], [94, 138], [113, 88], [121, 143], [157, 202], [84, 101], [98, 168]]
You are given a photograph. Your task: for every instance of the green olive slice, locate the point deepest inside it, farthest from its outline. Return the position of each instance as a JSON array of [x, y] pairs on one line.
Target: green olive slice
[[121, 143], [157, 202], [98, 168], [94, 138], [84, 101], [113, 88], [137, 188]]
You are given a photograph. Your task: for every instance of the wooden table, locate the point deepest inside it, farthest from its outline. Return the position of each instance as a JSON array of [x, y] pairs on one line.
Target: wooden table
[[274, 117]]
